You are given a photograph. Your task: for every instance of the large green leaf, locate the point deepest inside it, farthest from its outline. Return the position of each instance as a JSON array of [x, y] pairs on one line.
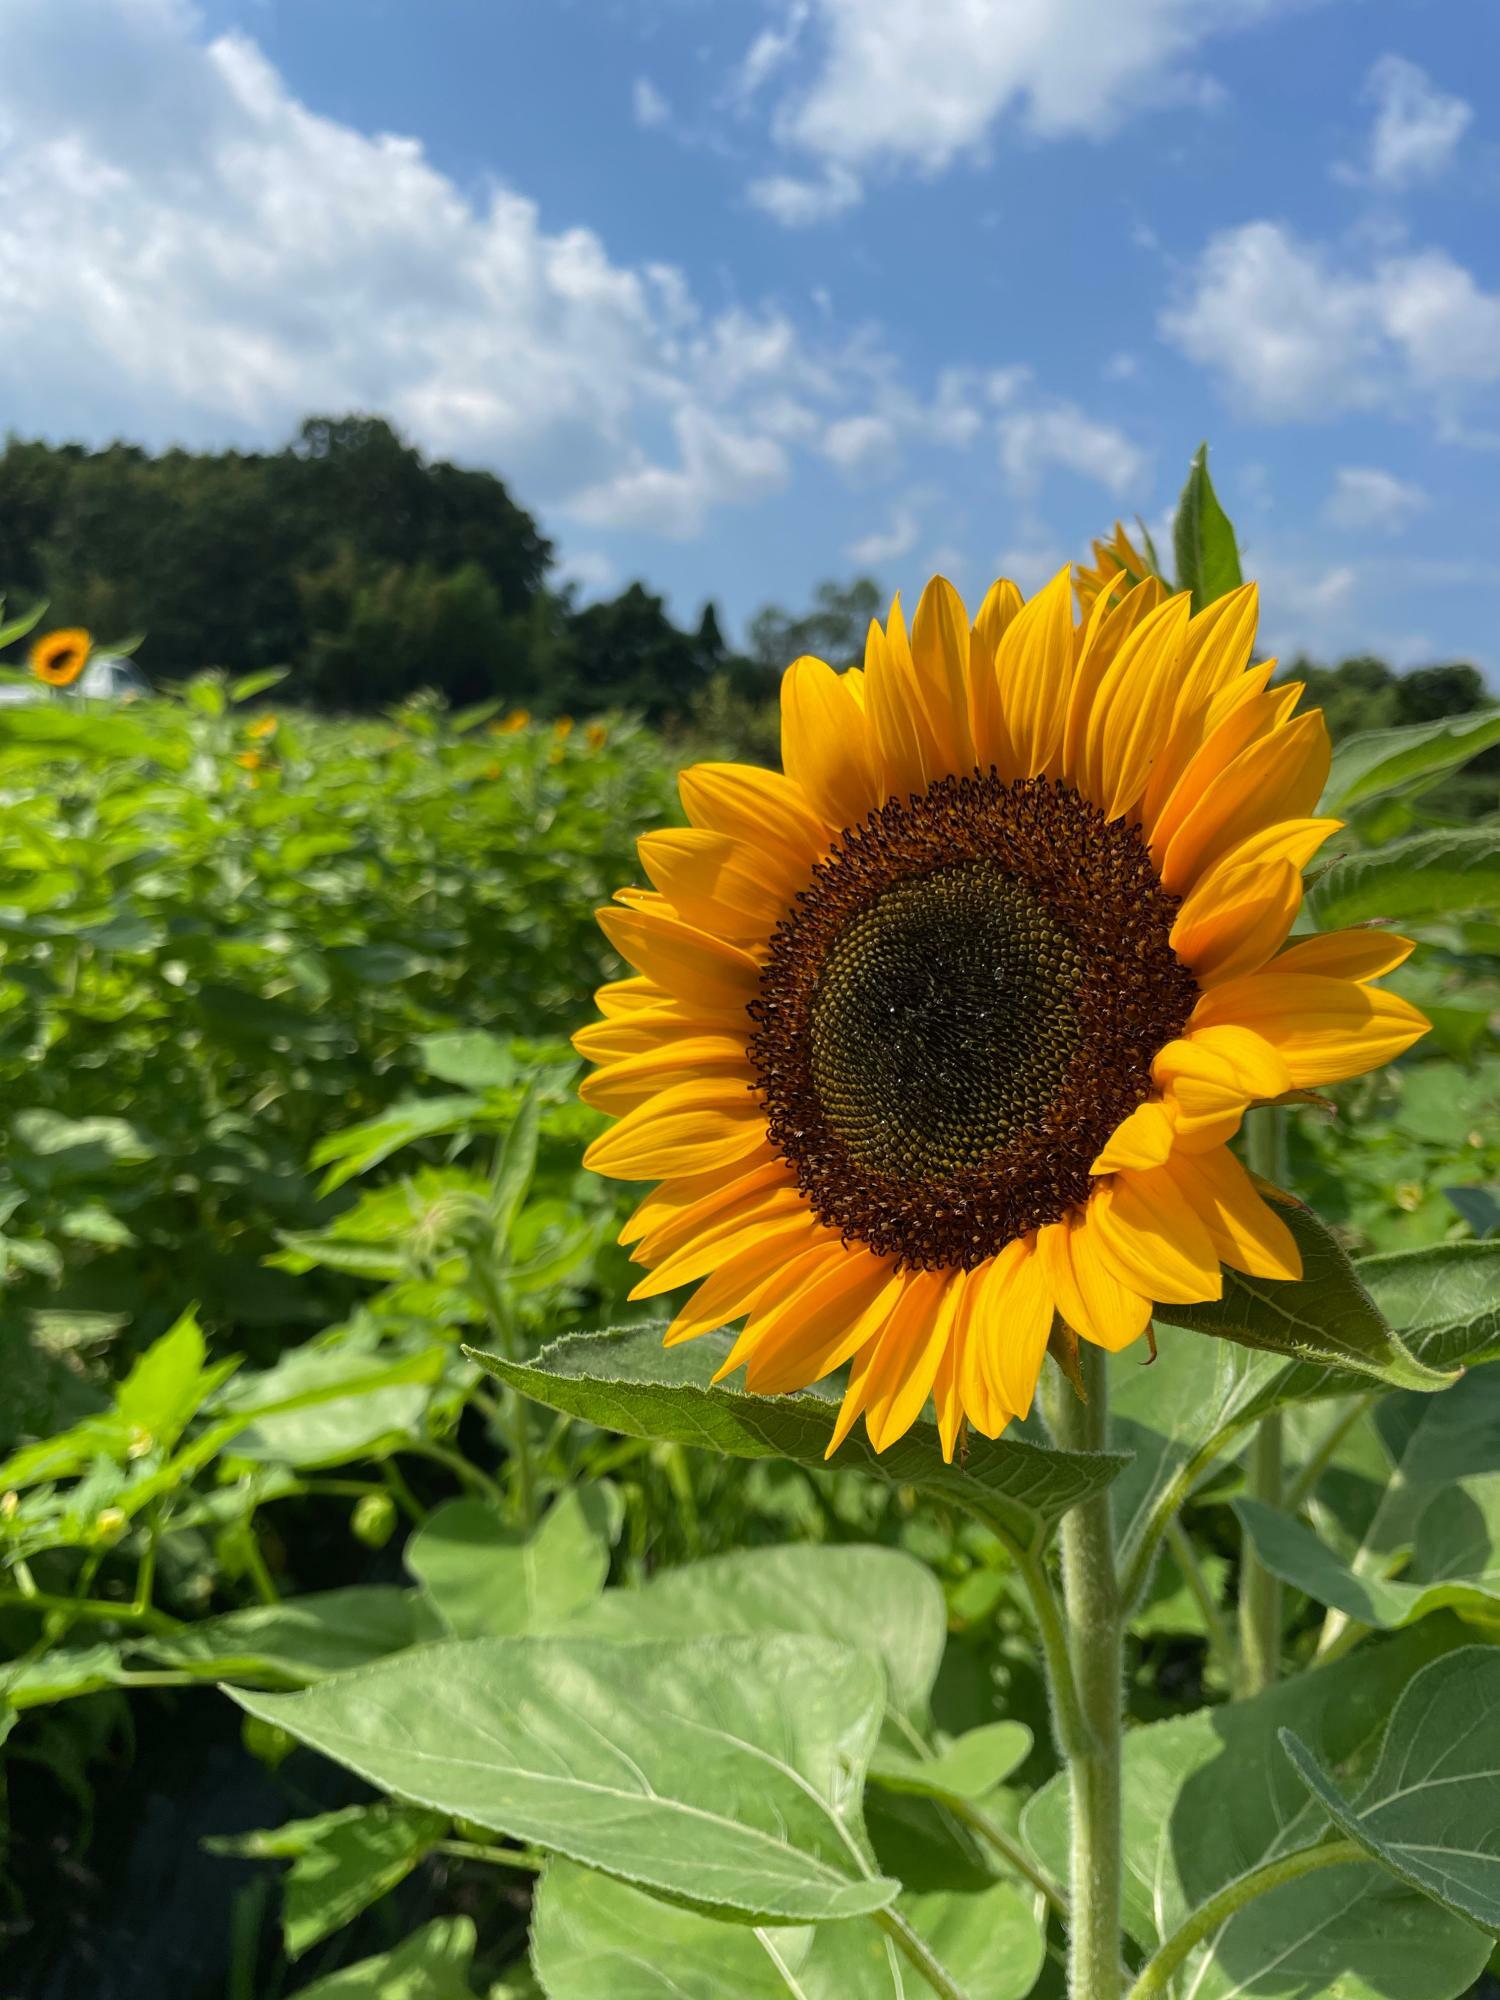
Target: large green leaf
[[341, 1863], [968, 1768], [1208, 558], [432, 1964], [1428, 1812], [627, 1381], [486, 1579], [724, 1771], [597, 1939], [878, 1600], [1444, 1298], [1373, 761], [301, 1639], [321, 1406], [1208, 1798], [1326, 1318], [1442, 1496], [1428, 875]]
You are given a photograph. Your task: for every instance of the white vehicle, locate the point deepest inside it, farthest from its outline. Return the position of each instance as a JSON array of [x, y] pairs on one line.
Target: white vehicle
[[106, 677]]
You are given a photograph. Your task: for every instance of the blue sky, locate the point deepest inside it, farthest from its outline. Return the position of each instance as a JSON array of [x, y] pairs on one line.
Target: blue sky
[[740, 294]]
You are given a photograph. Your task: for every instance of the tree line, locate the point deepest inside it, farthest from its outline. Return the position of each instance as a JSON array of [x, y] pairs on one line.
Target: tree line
[[373, 572]]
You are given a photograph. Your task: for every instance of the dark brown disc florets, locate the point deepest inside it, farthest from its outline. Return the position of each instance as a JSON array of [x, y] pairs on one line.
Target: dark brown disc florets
[[961, 1011]]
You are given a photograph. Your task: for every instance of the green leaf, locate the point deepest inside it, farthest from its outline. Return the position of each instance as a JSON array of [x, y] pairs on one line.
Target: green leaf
[[167, 1385], [1445, 1299], [301, 1639], [878, 1600], [1208, 558], [320, 1406], [432, 1964], [484, 1579], [1428, 1811], [968, 1768], [60, 1674], [1207, 1799], [245, 687], [597, 1939], [1444, 1494], [516, 1164], [1428, 875], [725, 1771], [360, 1147], [627, 1381], [341, 1863], [1325, 1317], [470, 1059], [1386, 760]]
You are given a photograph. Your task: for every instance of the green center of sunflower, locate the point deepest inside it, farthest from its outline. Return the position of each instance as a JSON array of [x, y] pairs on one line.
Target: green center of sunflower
[[963, 1008], [944, 1021]]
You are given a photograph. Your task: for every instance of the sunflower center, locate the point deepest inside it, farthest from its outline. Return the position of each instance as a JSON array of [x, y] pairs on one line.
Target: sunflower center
[[961, 1011], [943, 1021]]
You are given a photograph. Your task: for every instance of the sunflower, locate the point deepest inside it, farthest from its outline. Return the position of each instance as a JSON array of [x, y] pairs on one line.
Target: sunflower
[[1116, 562], [60, 657], [946, 1030]]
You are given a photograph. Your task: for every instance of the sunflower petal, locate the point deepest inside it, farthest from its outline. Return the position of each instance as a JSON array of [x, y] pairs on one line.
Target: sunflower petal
[[1034, 662], [818, 1331], [906, 758], [825, 744], [688, 1128], [762, 808], [741, 1283], [1151, 1239], [1012, 1317], [940, 657], [1093, 1301], [1144, 1139], [1233, 923], [1245, 1232], [1358, 955], [720, 885], [905, 1359], [1280, 777], [1324, 1029], [695, 968]]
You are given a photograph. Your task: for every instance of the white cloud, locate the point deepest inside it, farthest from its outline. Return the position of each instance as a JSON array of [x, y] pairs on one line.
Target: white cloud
[[188, 254], [1060, 434], [922, 84], [885, 545], [771, 48], [1296, 333], [590, 572], [1417, 127], [1122, 367], [797, 203], [1364, 497], [651, 109], [857, 443]]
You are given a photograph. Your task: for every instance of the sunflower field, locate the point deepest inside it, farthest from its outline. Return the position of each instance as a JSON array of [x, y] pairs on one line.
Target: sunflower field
[[795, 1475]]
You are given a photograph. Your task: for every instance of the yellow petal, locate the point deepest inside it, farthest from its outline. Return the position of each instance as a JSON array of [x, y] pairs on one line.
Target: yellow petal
[[1035, 666], [940, 655], [761, 808], [986, 718], [1011, 1319], [1244, 1231], [687, 1129], [1280, 777], [778, 1220], [826, 1323], [1150, 1238], [905, 1357], [735, 1203], [642, 1029], [1324, 1029], [743, 1281], [1093, 1301], [825, 745], [1232, 923], [618, 1087], [1358, 954], [671, 1197], [629, 996], [906, 757], [1218, 647], [695, 968], [722, 885], [1201, 747], [1110, 622], [1133, 709], [1144, 1139]]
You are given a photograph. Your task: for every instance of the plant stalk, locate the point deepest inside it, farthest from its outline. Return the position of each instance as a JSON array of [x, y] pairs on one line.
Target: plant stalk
[[913, 1947], [1260, 1591], [1207, 1918], [1096, 1648]]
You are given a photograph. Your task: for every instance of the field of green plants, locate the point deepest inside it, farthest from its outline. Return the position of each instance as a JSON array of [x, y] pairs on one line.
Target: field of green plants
[[290, 1127]]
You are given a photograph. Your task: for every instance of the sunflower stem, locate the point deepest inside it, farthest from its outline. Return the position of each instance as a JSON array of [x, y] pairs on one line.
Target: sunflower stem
[[1260, 1591], [914, 1947], [1095, 1645]]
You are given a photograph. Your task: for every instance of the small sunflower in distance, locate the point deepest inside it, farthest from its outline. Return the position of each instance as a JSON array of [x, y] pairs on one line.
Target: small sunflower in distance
[[947, 1029], [60, 657], [1118, 564]]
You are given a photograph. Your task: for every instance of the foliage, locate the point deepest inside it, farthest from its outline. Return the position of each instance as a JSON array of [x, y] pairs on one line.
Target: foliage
[[552, 1669]]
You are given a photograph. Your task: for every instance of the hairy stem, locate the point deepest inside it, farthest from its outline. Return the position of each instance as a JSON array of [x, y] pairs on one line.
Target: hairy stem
[[913, 1947], [1206, 1919], [1010, 1851], [1260, 1591], [1095, 1646]]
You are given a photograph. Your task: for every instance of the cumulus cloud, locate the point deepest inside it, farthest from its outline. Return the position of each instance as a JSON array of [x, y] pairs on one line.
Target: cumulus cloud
[[885, 545], [1295, 332], [189, 254], [1416, 129], [798, 203], [651, 109], [1365, 497], [1060, 434], [922, 84]]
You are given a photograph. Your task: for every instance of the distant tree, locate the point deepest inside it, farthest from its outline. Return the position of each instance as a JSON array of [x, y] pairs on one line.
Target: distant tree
[[834, 630], [626, 652], [1429, 693]]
